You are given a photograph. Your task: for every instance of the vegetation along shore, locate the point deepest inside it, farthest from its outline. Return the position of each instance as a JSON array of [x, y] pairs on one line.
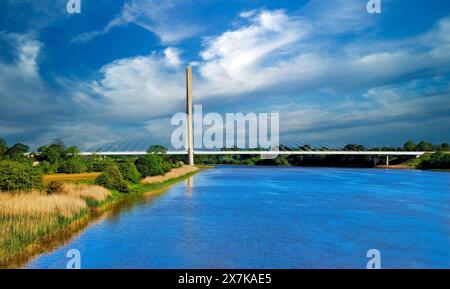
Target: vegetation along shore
[[48, 197]]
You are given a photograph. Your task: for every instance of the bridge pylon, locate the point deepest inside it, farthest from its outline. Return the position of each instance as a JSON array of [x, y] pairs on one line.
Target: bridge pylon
[[190, 137]]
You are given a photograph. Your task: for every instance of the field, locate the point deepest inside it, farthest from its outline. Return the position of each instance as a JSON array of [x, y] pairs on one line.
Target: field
[[71, 177]]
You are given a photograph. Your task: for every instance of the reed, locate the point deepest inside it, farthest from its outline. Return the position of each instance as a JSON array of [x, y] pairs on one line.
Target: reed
[[25, 217], [86, 191]]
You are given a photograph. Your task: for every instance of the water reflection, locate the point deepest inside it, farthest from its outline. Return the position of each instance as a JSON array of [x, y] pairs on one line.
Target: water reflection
[[189, 189]]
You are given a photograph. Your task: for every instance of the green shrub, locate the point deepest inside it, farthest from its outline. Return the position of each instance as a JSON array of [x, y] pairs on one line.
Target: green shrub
[[130, 172], [72, 166], [439, 160], [112, 179], [152, 165], [55, 187], [15, 176], [179, 164], [46, 168], [99, 163]]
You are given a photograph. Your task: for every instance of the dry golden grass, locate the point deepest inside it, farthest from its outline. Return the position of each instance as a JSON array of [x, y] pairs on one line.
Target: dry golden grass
[[86, 191], [27, 216], [36, 204], [174, 173], [71, 177]]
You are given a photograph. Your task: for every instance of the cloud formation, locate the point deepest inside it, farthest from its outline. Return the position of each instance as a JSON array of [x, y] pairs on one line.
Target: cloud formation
[[306, 64], [164, 18]]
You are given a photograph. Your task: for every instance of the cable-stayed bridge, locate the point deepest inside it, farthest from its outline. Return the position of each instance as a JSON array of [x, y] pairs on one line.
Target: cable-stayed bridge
[[292, 148]]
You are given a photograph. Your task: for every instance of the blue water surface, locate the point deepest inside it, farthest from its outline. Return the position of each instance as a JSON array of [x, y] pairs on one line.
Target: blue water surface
[[267, 217]]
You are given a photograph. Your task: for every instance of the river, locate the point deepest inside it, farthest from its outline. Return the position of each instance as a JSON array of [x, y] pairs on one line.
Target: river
[[267, 217]]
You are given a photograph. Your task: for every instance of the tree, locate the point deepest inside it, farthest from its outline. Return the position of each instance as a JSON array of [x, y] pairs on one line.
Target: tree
[[17, 150], [409, 146], [425, 146], [59, 146], [3, 147], [306, 147], [51, 154], [354, 147], [72, 166], [58, 143], [445, 147], [112, 179], [439, 160], [72, 152], [150, 165], [130, 172], [16, 176], [157, 149]]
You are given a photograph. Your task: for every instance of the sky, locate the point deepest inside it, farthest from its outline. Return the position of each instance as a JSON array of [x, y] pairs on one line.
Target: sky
[[112, 76]]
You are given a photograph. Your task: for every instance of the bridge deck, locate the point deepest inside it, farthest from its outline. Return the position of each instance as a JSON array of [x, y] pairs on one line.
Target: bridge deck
[[364, 153]]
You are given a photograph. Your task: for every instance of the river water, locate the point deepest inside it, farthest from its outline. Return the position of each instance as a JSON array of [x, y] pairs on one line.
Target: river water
[[266, 217]]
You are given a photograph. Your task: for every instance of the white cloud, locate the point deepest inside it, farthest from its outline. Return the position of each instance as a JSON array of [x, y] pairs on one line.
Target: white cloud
[[165, 18], [172, 56], [21, 89], [135, 88]]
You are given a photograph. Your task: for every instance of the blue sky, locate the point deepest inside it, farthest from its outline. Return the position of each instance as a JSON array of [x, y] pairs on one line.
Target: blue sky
[[115, 72]]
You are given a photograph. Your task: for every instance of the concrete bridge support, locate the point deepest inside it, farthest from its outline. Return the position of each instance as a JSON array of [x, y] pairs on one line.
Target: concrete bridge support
[[190, 137]]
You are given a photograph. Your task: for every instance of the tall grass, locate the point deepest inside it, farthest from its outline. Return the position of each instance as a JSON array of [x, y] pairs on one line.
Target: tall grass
[[38, 204], [27, 217], [86, 191]]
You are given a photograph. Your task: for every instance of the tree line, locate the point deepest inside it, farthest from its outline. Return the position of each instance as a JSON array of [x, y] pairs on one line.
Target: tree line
[[23, 171]]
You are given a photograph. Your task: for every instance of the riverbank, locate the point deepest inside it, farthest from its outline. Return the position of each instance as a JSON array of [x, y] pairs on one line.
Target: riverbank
[[174, 173], [28, 230]]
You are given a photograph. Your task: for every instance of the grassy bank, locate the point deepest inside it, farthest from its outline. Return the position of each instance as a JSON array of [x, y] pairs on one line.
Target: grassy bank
[[31, 222]]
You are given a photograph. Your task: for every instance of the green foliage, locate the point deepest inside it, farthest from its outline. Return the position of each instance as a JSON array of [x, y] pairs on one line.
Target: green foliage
[[443, 147], [439, 160], [179, 164], [55, 187], [409, 146], [424, 146], [112, 179], [130, 172], [72, 152], [72, 166], [354, 147], [3, 147], [16, 176], [17, 151], [46, 168], [278, 161], [96, 163], [157, 149], [151, 165]]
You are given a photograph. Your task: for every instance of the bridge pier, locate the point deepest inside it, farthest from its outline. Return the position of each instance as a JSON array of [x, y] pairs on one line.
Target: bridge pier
[[387, 161], [190, 137]]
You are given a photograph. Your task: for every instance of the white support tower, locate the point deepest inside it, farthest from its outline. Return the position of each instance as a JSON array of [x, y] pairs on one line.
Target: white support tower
[[190, 137]]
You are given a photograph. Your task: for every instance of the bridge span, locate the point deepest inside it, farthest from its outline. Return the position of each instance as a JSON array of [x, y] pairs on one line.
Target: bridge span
[[386, 154], [263, 153]]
